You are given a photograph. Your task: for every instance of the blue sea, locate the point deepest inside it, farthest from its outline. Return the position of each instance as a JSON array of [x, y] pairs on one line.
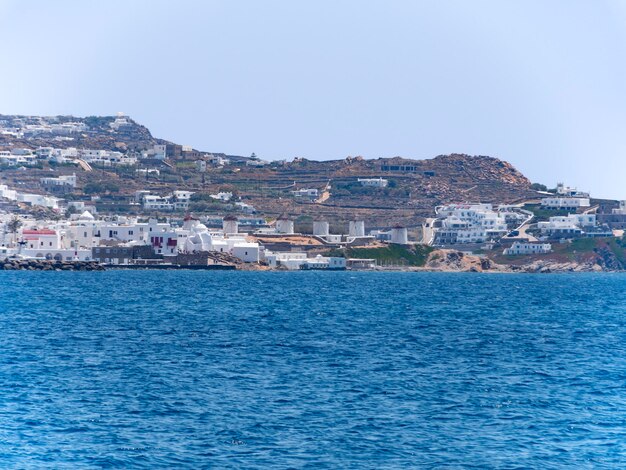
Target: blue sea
[[190, 369]]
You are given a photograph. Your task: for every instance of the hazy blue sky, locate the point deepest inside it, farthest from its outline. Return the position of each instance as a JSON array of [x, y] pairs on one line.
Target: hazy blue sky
[[541, 84]]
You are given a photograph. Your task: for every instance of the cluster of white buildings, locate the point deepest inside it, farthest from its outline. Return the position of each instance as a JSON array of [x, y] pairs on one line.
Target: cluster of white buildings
[[85, 238], [106, 157], [28, 157], [180, 201], [470, 223], [17, 157], [573, 226], [458, 224], [40, 127], [76, 239], [13, 195], [300, 260]]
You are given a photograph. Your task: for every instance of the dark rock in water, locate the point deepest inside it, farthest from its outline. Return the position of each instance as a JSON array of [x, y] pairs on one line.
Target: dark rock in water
[[40, 265]]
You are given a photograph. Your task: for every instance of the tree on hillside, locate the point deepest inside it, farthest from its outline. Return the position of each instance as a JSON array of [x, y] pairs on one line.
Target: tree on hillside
[[14, 225]]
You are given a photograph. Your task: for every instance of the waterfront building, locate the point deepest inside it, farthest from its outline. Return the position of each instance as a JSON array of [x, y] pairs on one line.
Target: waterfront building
[[527, 248], [324, 263], [467, 223]]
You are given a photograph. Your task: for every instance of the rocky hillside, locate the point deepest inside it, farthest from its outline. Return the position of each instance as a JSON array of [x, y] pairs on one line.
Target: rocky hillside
[[96, 132], [415, 187]]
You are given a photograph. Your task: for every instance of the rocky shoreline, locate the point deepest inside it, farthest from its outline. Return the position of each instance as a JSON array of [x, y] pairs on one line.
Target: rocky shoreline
[[455, 261], [438, 261], [49, 265]]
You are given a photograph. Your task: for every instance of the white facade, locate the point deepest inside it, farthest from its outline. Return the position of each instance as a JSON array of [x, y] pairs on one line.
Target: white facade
[[156, 203], [528, 248], [399, 235], [178, 200], [566, 191], [245, 251], [621, 210], [222, 196], [468, 223], [320, 228], [284, 226], [324, 262], [373, 182], [569, 225], [64, 180], [564, 203], [356, 228], [230, 225], [307, 193], [289, 260], [32, 199]]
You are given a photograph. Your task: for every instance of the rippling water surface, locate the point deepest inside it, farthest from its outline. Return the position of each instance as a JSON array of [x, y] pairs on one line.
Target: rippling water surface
[[194, 369]]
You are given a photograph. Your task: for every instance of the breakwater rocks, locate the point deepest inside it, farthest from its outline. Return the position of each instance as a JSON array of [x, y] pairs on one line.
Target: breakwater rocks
[[48, 265]]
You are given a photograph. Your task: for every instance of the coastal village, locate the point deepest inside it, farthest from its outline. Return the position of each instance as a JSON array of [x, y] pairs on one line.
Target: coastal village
[[141, 203]]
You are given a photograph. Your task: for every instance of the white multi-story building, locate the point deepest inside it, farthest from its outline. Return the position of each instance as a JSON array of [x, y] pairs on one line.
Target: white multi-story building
[[568, 226], [157, 203], [178, 200]]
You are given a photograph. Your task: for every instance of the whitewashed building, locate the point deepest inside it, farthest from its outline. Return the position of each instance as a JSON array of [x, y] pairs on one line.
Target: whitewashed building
[[374, 182], [59, 182], [527, 248], [468, 223], [306, 193]]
